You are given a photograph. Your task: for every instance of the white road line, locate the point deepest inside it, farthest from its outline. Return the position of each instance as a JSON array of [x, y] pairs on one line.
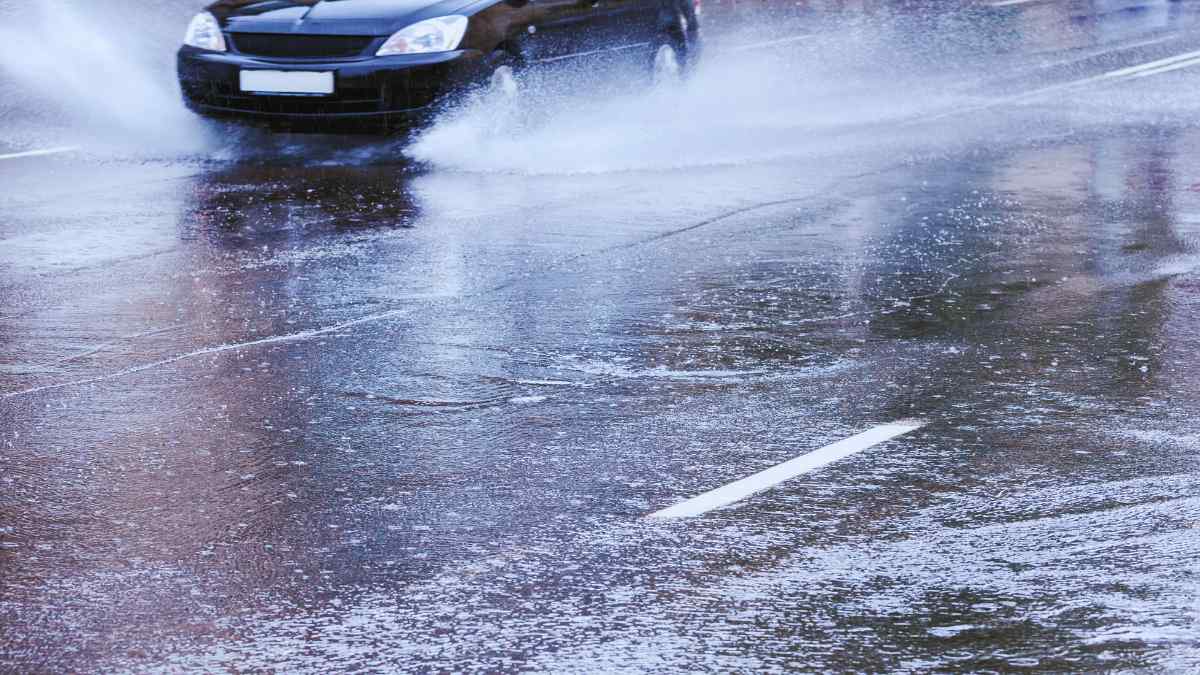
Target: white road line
[[1140, 70], [1166, 69], [1152, 65], [1177, 62], [1082, 56], [763, 480], [39, 153]]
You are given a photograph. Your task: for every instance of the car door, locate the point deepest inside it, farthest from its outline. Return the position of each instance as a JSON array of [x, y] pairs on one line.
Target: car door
[[624, 24], [562, 29]]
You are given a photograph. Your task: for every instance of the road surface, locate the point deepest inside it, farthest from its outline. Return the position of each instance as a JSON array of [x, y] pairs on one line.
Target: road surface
[[459, 402]]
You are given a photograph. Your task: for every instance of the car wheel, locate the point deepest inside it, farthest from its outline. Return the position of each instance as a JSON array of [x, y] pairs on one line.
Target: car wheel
[[500, 76], [666, 69], [677, 49], [503, 82]]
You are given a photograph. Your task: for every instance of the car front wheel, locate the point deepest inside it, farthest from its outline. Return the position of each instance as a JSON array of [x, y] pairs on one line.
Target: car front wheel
[[666, 68], [677, 48], [503, 82]]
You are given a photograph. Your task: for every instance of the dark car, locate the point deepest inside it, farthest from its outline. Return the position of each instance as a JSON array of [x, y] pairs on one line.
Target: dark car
[[387, 63]]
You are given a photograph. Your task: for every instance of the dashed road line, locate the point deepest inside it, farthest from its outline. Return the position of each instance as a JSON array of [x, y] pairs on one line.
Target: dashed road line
[[1083, 56], [764, 480], [39, 153], [1165, 69], [1157, 67], [1150, 67], [1140, 70]]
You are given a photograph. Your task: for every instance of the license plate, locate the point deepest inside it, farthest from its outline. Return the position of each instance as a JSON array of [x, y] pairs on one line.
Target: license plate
[[286, 82]]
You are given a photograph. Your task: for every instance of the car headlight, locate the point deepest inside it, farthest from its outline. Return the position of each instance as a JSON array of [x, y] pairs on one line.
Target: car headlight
[[205, 33], [442, 34]]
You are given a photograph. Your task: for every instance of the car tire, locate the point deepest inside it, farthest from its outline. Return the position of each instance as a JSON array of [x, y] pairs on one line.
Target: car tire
[[501, 76], [666, 68], [678, 47], [503, 82]]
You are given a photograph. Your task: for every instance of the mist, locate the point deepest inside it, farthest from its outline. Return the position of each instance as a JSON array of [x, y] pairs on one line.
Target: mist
[[748, 101], [89, 73], [769, 87]]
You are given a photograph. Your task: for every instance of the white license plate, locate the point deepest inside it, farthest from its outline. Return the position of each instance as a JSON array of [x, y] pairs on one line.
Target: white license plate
[[286, 82]]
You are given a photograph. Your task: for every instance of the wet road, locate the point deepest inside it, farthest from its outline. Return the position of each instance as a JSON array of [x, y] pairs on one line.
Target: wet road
[[321, 404]]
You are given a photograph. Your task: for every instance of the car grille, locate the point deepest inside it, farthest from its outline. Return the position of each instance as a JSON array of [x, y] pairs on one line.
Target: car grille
[[347, 100], [300, 46]]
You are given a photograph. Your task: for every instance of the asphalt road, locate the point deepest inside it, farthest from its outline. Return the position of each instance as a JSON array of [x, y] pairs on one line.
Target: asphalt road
[[323, 404]]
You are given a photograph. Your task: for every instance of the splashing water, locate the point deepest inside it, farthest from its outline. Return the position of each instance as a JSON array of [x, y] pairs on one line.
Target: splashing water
[[744, 105], [84, 69], [81, 71]]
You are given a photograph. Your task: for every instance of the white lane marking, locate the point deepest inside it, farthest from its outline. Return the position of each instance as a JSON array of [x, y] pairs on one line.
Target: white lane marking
[[763, 480], [1160, 66], [1140, 70], [1081, 56], [1143, 67], [1166, 69], [39, 153]]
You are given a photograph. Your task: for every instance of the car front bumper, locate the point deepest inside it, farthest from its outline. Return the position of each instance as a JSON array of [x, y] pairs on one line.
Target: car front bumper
[[385, 90]]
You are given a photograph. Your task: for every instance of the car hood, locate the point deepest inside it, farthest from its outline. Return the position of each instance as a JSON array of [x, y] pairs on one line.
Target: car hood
[[330, 17]]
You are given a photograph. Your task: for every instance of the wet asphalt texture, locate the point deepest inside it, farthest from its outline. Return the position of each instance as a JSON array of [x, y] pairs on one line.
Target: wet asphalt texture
[[318, 404]]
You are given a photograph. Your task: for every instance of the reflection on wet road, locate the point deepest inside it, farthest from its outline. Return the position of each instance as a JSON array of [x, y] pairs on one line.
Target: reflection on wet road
[[305, 405]]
